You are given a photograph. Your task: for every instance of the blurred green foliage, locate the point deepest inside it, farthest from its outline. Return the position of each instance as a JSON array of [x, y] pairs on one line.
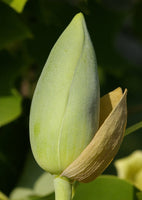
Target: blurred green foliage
[[16, 4], [10, 108], [28, 30]]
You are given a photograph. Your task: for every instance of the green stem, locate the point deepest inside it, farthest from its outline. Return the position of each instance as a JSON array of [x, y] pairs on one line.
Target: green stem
[[63, 188]]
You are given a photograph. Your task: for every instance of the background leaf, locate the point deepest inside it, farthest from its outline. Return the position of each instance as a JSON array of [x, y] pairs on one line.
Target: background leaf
[[3, 196], [17, 5], [133, 128], [106, 188], [10, 108], [11, 27]]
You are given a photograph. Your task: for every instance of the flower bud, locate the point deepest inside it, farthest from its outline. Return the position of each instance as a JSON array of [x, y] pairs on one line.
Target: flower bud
[[65, 107]]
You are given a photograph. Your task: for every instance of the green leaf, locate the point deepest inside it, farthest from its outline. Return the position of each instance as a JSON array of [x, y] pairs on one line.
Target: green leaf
[[106, 187], [10, 108], [133, 128], [17, 5], [3, 196], [12, 29]]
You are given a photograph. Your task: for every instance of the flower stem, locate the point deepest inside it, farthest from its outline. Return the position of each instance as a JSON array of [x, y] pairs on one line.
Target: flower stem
[[63, 188]]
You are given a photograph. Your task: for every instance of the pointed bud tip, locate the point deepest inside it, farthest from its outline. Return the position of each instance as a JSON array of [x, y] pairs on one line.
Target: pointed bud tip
[[78, 18]]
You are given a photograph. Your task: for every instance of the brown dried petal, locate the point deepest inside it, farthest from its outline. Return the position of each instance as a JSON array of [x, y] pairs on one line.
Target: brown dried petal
[[108, 102], [106, 142]]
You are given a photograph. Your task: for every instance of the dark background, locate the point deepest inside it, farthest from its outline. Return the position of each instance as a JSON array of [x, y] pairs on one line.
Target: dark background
[[26, 39]]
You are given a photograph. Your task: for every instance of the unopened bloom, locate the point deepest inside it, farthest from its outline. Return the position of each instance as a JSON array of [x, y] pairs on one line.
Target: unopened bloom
[[69, 136], [130, 168], [65, 107]]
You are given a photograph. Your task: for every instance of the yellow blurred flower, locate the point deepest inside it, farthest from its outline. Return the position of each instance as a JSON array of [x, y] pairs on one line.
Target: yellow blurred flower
[[130, 168]]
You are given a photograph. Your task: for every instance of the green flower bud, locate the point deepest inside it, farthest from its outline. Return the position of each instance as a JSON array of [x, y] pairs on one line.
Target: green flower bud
[[65, 107]]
